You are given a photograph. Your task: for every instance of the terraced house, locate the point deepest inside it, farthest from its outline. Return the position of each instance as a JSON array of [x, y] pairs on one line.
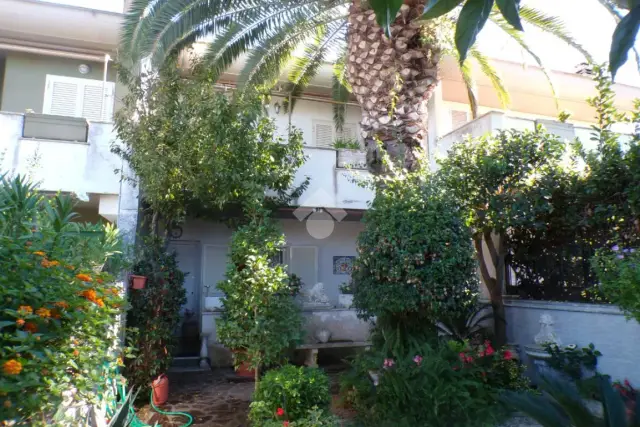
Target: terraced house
[[58, 94]]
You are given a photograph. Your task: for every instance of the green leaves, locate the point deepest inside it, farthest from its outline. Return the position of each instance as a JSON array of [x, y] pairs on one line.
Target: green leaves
[[386, 11], [473, 16], [510, 10], [435, 8], [623, 39]]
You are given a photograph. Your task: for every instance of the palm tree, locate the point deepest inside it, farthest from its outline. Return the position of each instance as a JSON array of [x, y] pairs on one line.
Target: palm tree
[[392, 79]]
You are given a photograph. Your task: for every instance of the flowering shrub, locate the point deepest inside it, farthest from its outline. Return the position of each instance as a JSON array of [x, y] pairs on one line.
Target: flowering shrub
[[315, 418], [154, 313], [618, 272], [59, 315], [288, 393], [447, 384]]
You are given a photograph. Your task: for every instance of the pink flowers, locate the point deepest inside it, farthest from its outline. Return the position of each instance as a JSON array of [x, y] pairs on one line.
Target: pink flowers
[[418, 359], [279, 412], [507, 355], [388, 363], [465, 358]]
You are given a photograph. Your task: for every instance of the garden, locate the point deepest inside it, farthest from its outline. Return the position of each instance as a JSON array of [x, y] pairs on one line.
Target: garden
[[88, 326]]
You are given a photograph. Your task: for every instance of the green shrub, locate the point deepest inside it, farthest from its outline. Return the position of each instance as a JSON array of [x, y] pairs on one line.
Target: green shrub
[[440, 386], [415, 257], [154, 313], [60, 310], [315, 418], [260, 318], [618, 271], [295, 390]]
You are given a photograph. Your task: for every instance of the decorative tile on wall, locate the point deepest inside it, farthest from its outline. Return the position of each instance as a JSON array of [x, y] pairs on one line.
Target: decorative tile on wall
[[343, 264]]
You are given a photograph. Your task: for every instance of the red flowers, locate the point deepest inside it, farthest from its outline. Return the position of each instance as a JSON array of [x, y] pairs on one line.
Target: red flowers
[[279, 412], [507, 355], [285, 424]]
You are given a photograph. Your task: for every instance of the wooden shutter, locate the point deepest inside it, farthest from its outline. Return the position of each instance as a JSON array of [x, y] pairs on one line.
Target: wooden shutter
[[69, 96], [323, 134], [458, 119]]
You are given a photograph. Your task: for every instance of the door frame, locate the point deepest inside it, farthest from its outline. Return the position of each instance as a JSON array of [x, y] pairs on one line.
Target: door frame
[[198, 246]]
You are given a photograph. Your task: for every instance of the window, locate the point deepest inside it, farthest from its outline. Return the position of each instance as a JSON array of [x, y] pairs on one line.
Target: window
[[325, 134], [69, 96], [458, 119], [303, 262]]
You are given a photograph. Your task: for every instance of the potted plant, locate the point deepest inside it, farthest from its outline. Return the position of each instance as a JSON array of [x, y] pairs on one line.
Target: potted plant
[[138, 282], [345, 299]]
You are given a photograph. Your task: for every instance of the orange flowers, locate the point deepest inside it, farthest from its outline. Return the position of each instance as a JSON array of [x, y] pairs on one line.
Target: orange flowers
[[62, 304], [115, 291], [99, 280], [89, 294], [25, 309], [12, 367], [43, 312], [84, 277], [39, 253], [20, 323], [46, 263], [76, 353], [100, 302], [31, 327]]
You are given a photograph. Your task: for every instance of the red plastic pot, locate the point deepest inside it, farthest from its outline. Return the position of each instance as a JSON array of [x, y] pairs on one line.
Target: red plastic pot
[[243, 369], [138, 282], [160, 388]]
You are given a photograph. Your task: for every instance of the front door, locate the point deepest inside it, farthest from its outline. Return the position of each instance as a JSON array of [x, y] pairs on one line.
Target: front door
[[188, 257]]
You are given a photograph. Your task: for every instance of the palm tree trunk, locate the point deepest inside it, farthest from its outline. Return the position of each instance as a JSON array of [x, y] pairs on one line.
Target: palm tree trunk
[[392, 80]]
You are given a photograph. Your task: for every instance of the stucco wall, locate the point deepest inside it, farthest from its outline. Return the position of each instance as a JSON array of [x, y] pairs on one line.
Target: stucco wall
[[342, 242], [603, 325], [25, 77]]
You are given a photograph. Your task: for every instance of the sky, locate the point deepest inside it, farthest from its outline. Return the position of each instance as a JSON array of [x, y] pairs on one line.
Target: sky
[[588, 22]]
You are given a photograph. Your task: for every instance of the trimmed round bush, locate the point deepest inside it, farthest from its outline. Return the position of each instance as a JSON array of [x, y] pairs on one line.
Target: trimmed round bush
[[415, 256], [289, 393]]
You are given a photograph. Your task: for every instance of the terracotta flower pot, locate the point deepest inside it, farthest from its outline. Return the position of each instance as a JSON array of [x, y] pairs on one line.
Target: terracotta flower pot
[[243, 369], [138, 282], [160, 388]]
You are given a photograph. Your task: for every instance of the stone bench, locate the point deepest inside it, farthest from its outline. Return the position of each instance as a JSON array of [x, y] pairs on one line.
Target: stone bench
[[311, 358]]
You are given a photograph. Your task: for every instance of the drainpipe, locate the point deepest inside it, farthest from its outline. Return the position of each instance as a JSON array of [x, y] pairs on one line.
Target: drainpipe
[[104, 83]]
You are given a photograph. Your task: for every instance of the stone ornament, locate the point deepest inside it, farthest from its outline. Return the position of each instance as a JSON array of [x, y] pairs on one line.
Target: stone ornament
[[546, 335], [316, 295]]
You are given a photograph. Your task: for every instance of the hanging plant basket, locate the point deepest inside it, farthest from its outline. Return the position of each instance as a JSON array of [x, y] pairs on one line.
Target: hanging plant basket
[[138, 282]]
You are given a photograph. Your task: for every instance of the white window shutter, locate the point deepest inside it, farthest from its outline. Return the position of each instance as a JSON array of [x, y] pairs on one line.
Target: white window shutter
[[458, 119], [61, 98], [73, 97], [323, 134]]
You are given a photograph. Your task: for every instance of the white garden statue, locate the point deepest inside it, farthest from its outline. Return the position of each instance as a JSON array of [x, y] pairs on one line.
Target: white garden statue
[[547, 335], [316, 295]]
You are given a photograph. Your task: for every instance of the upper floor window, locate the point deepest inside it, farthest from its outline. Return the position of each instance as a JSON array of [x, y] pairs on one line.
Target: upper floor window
[[325, 133], [74, 97]]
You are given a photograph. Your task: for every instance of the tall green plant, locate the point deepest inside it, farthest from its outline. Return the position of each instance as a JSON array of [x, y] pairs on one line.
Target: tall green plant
[[502, 181], [260, 318], [196, 152], [415, 259], [154, 314]]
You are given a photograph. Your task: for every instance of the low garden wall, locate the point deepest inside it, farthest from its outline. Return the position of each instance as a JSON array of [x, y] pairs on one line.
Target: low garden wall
[[576, 323]]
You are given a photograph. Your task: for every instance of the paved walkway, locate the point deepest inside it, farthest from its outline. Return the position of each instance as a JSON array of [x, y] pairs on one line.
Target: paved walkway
[[208, 397]]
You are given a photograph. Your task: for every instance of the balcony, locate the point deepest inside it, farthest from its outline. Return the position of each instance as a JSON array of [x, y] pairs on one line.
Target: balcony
[[495, 120], [62, 154], [335, 175]]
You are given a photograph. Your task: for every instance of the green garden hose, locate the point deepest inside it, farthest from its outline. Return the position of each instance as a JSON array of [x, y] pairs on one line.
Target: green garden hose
[[167, 413]]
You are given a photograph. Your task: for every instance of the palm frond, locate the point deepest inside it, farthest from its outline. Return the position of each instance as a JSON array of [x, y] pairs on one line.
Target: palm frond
[[306, 67], [489, 71], [340, 89], [617, 16], [517, 36], [470, 85], [552, 25]]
